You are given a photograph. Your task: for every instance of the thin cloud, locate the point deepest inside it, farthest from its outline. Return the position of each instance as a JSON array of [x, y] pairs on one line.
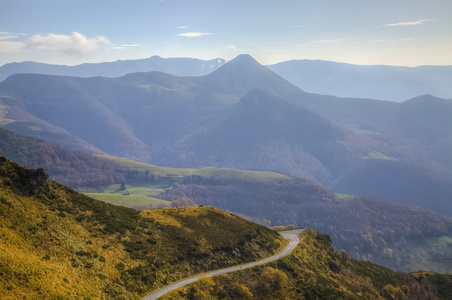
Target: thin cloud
[[8, 37], [10, 47], [232, 46], [75, 44], [124, 46], [182, 27], [333, 41], [131, 45], [418, 22], [193, 34]]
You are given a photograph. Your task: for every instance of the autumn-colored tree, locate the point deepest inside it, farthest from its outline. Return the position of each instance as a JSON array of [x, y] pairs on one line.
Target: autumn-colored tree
[[271, 282]]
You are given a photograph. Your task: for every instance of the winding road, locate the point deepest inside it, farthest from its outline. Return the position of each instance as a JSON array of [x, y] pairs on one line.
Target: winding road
[[293, 236]]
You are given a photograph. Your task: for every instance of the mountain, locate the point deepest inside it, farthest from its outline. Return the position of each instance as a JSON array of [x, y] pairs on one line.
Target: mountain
[[72, 246], [398, 236], [393, 83], [65, 103], [178, 66], [398, 182], [315, 271], [243, 115], [57, 243], [269, 198], [72, 168]]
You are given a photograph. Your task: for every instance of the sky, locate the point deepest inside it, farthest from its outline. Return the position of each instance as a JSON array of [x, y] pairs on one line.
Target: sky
[[71, 32]]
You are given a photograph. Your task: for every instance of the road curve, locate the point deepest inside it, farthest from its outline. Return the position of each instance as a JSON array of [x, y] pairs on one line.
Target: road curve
[[293, 236]]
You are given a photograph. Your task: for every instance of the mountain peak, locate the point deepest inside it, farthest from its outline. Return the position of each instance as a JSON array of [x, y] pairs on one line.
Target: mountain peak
[[244, 58], [244, 64], [244, 73]]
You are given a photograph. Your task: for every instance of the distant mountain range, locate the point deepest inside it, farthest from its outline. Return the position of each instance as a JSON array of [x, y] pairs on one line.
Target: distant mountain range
[[177, 66], [244, 115], [392, 83]]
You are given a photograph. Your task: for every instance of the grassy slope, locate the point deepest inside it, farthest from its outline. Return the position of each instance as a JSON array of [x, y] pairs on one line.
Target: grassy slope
[[143, 191], [128, 164], [315, 271], [132, 200], [59, 243]]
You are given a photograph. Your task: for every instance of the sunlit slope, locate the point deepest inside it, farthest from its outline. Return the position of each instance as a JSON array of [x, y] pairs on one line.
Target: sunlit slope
[[133, 165], [59, 243], [315, 271]]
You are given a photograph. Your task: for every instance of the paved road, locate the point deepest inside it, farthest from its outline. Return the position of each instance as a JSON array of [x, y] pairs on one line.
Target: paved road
[[293, 236]]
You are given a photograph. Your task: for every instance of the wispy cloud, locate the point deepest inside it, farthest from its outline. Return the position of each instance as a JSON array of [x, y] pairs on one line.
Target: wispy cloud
[[418, 22], [333, 41], [130, 45], [8, 37], [232, 46], [7, 46], [10, 47], [377, 41], [193, 34], [182, 27], [124, 46], [75, 44], [12, 33]]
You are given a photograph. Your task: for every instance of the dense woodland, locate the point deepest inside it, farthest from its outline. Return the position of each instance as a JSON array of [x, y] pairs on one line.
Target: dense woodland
[[71, 168], [368, 228]]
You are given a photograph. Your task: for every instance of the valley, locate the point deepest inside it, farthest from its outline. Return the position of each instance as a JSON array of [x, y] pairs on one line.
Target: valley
[[59, 243], [176, 161]]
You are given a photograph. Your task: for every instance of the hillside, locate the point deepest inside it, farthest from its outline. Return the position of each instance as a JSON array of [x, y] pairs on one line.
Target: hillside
[[392, 83], [71, 168], [398, 236], [242, 115], [315, 271], [177, 66], [57, 243]]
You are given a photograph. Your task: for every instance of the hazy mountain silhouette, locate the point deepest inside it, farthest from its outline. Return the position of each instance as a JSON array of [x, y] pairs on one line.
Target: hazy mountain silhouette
[[242, 115], [394, 83], [178, 66]]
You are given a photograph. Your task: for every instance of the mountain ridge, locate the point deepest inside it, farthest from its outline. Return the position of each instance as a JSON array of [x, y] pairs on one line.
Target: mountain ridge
[[171, 120]]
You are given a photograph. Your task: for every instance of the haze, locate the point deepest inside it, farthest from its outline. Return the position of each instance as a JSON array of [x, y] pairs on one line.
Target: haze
[[406, 32]]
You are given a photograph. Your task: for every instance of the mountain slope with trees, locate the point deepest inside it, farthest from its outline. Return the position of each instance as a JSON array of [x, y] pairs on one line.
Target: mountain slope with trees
[[242, 115], [59, 243]]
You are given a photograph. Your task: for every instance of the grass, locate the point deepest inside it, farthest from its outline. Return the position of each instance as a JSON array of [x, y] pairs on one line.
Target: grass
[[3, 116], [56, 243], [131, 200], [312, 271], [362, 131], [133, 197], [379, 155], [344, 196], [127, 164]]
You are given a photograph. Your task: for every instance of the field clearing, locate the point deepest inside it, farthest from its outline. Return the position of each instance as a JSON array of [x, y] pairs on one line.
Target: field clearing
[[132, 165], [344, 196], [132, 200]]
